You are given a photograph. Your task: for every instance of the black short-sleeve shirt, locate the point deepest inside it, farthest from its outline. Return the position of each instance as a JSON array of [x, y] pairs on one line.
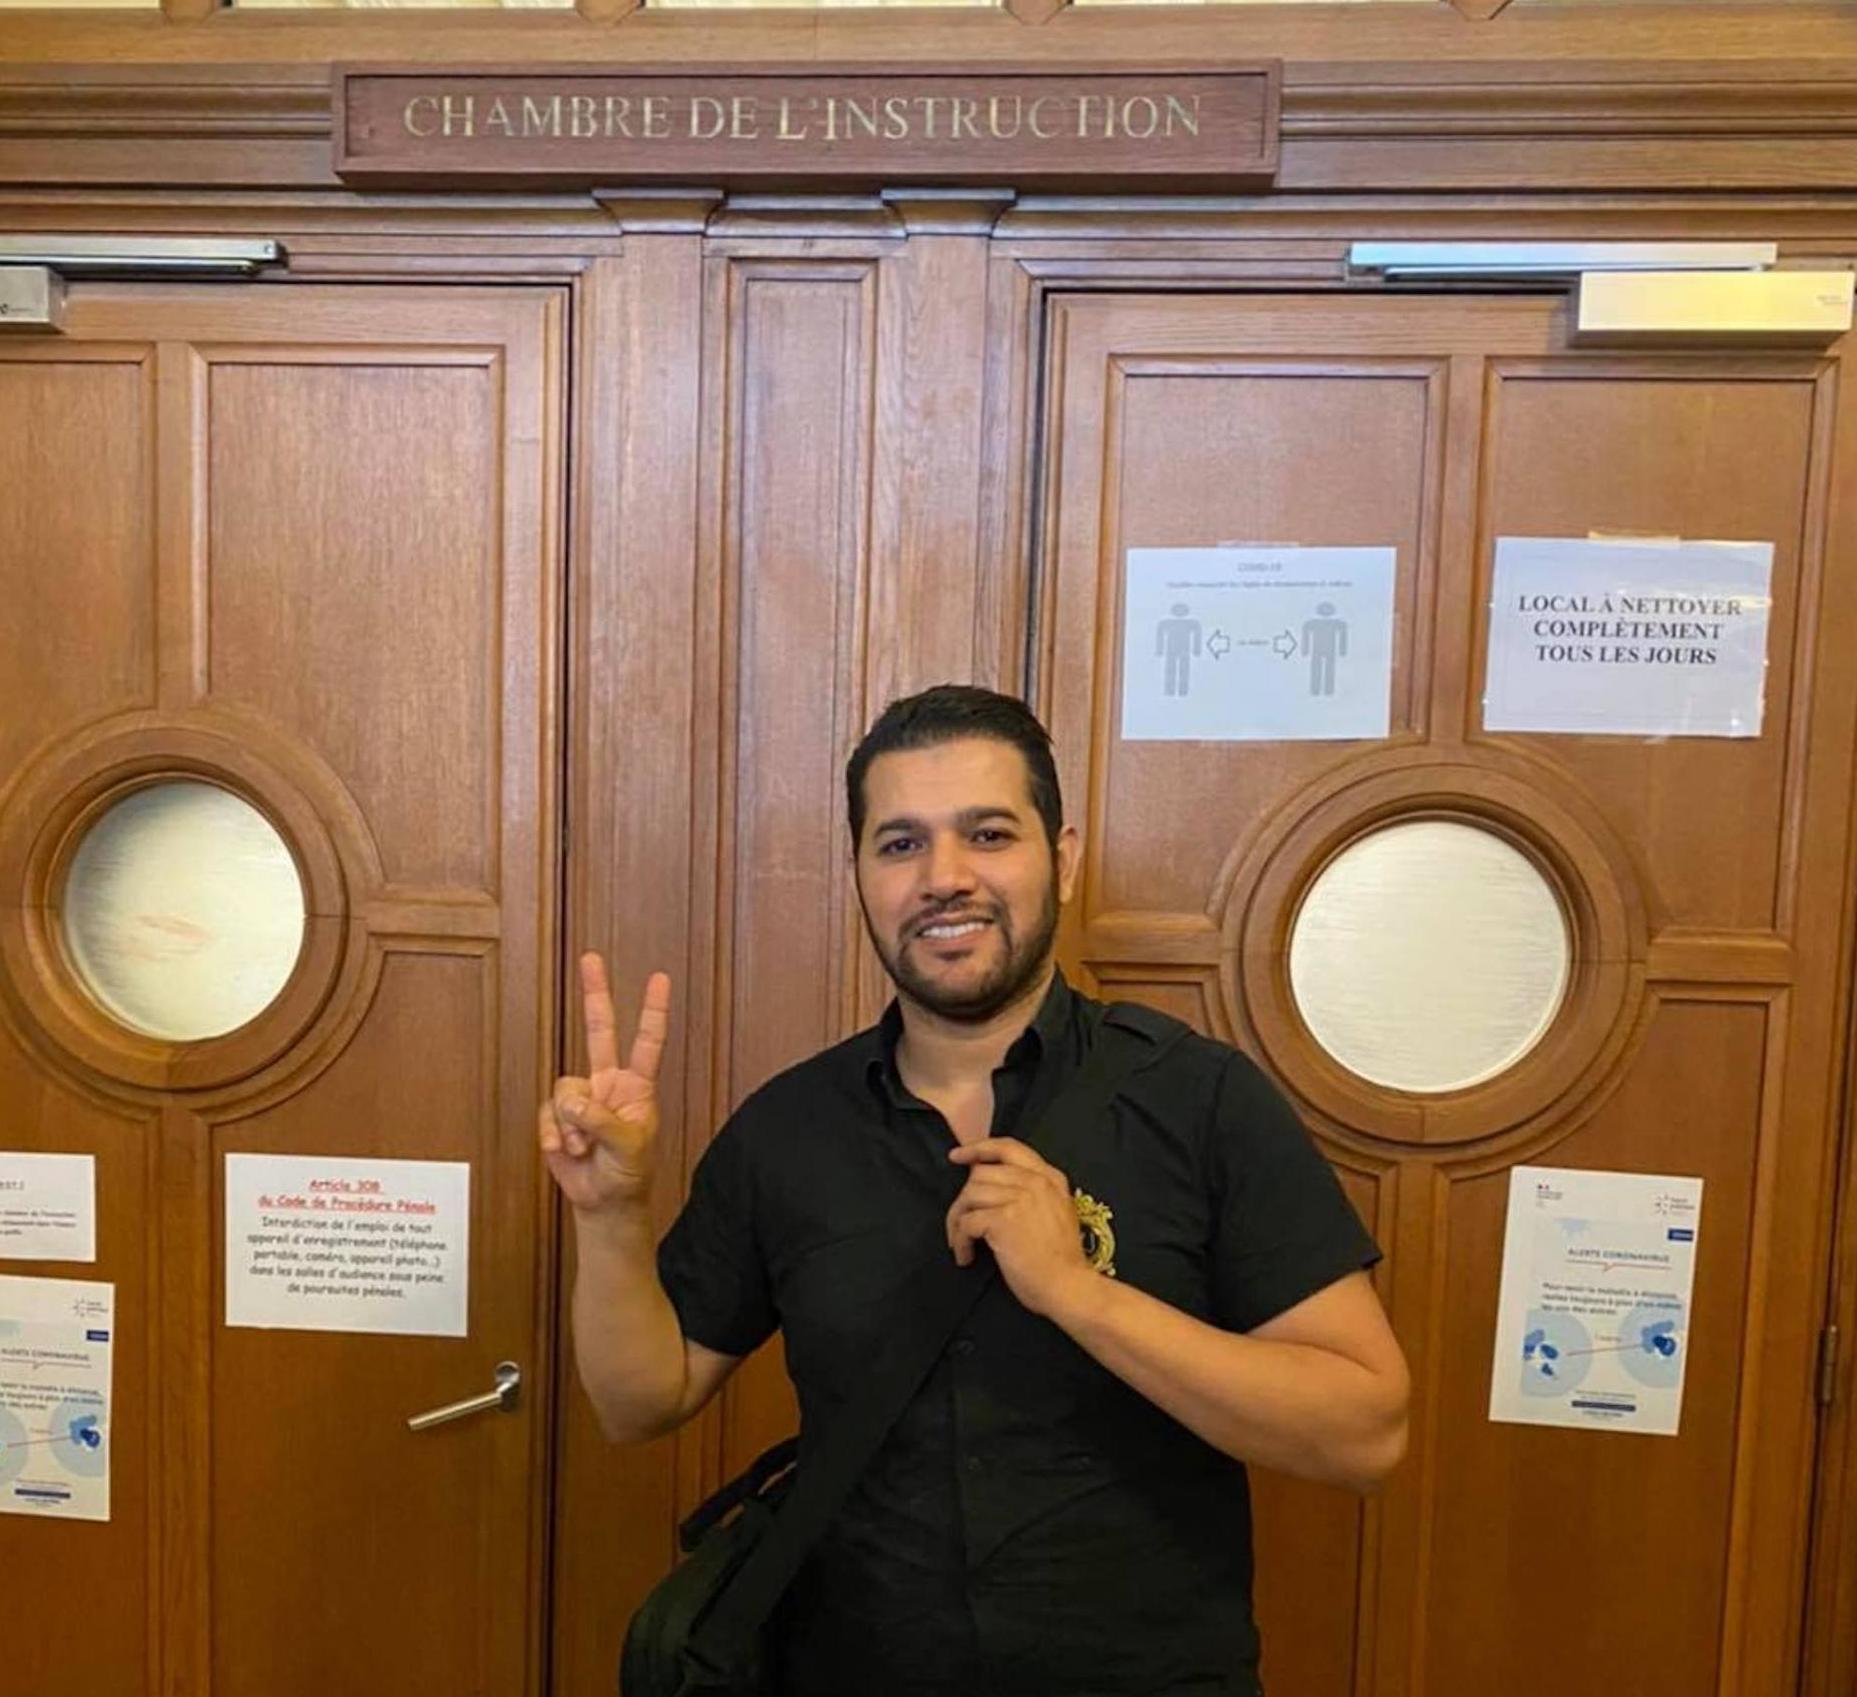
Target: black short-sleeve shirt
[[1032, 1526]]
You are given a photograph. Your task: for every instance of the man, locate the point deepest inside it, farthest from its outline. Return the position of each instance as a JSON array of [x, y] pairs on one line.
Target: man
[[1062, 1511]]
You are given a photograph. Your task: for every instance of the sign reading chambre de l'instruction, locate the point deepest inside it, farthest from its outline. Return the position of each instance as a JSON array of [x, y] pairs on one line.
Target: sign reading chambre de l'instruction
[[1626, 637], [1201, 126]]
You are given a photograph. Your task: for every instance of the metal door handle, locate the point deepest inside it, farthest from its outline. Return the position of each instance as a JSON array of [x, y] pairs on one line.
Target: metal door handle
[[508, 1383]]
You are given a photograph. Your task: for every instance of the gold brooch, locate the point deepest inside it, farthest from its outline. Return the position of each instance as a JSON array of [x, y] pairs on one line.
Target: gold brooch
[[1093, 1218]]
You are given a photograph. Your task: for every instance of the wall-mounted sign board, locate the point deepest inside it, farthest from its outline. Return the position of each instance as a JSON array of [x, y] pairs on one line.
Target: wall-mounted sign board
[[1199, 126]]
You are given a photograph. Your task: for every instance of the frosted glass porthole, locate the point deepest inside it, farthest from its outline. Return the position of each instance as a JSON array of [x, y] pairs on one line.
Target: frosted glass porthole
[[1429, 956], [183, 911]]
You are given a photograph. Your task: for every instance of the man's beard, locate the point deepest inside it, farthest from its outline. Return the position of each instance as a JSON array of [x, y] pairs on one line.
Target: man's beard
[[1020, 964]]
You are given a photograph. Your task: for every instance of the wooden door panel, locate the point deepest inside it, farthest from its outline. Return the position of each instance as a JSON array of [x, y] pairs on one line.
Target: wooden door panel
[[65, 1652], [1543, 1523], [325, 544], [370, 563], [780, 484], [1264, 446], [1705, 881], [81, 419], [794, 490], [1700, 449], [788, 540], [83, 416], [278, 1530]]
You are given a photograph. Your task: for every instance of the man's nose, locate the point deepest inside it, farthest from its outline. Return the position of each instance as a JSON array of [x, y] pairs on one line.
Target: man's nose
[[946, 869]]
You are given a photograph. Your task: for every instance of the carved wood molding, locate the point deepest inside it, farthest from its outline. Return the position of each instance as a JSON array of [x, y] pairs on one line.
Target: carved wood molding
[[1558, 128], [618, 33], [1702, 102], [1576, 101], [1293, 240], [949, 212], [646, 211], [96, 104]]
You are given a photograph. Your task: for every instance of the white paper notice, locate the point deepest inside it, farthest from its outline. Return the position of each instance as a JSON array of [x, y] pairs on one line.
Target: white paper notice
[[1592, 1327], [48, 1207], [55, 1397], [1628, 638], [342, 1244], [1244, 644]]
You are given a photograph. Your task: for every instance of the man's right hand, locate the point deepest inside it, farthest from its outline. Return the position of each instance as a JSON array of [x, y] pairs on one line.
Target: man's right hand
[[598, 1133]]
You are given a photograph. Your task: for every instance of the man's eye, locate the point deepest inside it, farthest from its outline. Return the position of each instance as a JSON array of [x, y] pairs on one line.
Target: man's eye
[[989, 834], [894, 845]]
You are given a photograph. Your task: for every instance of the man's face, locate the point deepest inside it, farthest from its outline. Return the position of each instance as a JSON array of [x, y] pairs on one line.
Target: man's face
[[959, 885]]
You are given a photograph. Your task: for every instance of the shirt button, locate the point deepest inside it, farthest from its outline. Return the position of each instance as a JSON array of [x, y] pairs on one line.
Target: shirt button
[[975, 1464], [962, 1347]]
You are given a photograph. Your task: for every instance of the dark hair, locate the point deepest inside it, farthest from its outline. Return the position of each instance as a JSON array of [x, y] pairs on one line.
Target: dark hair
[[947, 713]]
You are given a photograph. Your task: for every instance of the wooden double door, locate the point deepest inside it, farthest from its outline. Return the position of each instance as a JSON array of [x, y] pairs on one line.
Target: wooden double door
[[303, 545], [312, 543], [1703, 882]]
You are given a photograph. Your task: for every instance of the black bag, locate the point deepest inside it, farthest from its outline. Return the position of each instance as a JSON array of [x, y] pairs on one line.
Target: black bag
[[700, 1631], [715, 1540]]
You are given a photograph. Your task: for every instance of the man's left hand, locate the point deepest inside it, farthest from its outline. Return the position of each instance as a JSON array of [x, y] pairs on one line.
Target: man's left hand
[[1020, 1207]]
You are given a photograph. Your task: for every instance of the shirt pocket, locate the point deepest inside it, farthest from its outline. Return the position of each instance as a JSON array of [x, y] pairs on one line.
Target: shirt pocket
[[840, 1296]]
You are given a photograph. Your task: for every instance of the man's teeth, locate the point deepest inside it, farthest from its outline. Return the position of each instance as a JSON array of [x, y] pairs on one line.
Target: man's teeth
[[939, 932]]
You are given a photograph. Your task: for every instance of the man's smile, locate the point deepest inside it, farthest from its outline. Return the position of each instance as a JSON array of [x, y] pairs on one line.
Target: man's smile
[[946, 930]]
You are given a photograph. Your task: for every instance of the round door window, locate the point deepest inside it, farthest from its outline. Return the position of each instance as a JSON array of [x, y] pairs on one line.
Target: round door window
[[1429, 956], [183, 911]]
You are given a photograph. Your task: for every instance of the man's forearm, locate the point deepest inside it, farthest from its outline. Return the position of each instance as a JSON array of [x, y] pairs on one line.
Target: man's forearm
[[628, 1344], [1306, 1411]]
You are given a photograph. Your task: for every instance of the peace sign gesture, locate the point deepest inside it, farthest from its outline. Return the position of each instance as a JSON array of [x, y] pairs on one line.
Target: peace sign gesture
[[597, 1133]]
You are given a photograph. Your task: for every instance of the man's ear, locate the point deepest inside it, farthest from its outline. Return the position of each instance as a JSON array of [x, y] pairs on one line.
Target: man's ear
[[1069, 853]]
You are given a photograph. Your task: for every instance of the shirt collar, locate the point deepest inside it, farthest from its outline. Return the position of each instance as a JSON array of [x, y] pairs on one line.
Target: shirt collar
[[1028, 1048]]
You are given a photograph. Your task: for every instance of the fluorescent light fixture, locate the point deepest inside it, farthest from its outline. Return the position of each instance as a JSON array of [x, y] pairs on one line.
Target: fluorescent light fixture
[[136, 256], [1556, 260]]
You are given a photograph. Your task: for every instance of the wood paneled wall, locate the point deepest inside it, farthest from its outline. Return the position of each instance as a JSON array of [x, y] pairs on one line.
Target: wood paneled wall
[[780, 483], [813, 426]]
